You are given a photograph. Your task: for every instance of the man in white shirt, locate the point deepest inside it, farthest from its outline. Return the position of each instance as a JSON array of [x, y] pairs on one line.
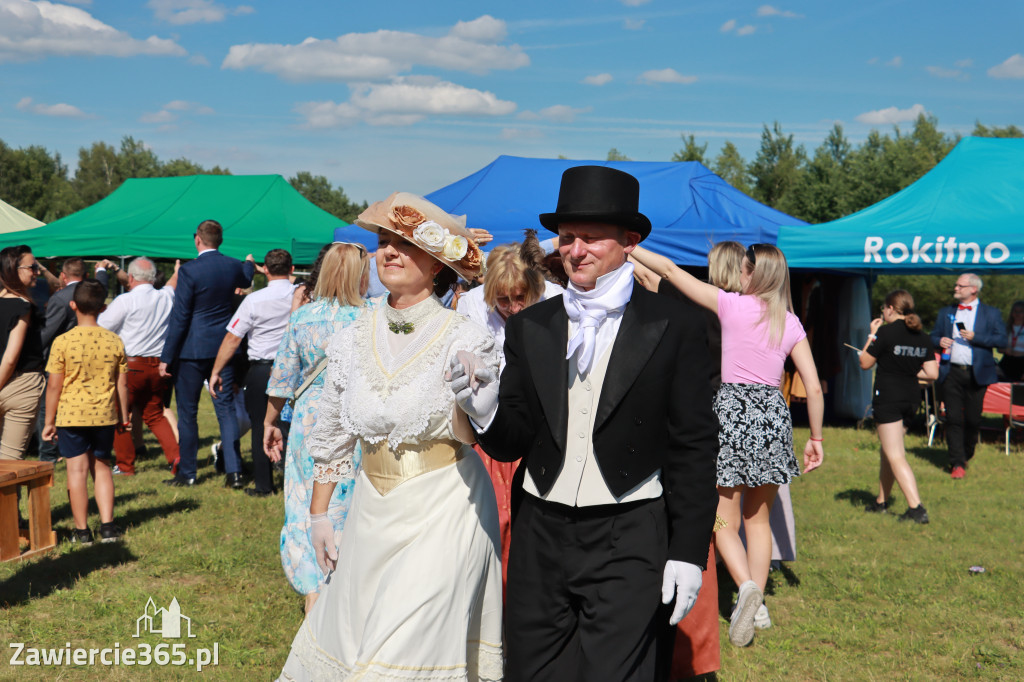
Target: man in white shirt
[[140, 317], [968, 332], [606, 397], [263, 318]]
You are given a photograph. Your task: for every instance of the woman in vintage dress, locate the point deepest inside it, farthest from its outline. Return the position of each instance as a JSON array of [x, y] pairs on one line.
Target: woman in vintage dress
[[336, 297], [416, 588]]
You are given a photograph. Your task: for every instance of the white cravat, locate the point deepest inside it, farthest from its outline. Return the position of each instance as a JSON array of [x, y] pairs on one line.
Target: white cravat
[[589, 309]]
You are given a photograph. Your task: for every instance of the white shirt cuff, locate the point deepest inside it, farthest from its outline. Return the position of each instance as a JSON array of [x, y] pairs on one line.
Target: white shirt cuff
[[484, 424]]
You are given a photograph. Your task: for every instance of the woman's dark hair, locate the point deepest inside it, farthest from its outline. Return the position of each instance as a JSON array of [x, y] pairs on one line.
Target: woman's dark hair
[[445, 281], [902, 302], [309, 283], [10, 259], [1017, 305]]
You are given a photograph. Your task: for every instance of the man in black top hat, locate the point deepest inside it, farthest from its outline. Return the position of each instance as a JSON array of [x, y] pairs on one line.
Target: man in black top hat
[[606, 397]]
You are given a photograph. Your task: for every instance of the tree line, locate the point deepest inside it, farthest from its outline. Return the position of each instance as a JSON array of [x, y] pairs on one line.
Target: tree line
[[836, 179], [37, 182]]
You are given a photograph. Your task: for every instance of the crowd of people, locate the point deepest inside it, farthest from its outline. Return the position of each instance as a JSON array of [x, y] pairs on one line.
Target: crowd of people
[[529, 478]]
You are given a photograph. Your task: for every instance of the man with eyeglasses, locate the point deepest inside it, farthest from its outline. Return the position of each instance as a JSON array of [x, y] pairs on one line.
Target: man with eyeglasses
[[967, 332]]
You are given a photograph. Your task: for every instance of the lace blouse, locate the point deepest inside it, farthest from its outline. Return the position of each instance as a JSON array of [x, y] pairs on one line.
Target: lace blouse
[[383, 385]]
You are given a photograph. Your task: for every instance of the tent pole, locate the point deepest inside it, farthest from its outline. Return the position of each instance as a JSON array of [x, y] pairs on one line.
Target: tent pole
[[119, 285]]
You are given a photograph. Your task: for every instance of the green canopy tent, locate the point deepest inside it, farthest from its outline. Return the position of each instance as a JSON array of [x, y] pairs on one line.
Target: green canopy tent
[[157, 217], [13, 220]]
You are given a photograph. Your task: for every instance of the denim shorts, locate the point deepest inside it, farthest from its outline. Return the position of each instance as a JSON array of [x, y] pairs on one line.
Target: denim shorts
[[78, 440]]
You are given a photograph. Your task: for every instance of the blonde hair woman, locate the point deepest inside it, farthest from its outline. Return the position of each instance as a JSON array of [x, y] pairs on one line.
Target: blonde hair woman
[[337, 298], [415, 591], [759, 330]]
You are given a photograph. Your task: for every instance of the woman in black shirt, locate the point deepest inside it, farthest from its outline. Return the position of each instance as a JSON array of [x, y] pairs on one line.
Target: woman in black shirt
[[904, 354], [21, 351]]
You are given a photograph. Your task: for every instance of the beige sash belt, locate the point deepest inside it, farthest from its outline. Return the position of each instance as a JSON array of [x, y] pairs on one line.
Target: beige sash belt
[[387, 470]]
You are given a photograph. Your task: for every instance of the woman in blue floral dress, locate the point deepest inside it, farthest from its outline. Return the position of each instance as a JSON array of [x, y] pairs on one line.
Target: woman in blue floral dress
[[337, 295]]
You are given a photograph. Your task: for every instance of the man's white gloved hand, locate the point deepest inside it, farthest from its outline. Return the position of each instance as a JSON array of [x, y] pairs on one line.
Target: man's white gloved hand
[[682, 580], [321, 534], [475, 387]]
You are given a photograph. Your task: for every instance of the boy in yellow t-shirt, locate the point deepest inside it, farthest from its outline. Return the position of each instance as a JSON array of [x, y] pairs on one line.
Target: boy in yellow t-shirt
[[86, 400]]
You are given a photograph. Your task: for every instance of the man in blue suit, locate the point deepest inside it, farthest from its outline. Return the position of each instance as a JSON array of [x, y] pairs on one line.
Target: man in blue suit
[[967, 332], [202, 308]]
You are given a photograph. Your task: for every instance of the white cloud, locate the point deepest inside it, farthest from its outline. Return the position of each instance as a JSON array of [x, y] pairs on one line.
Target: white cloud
[[666, 76], [61, 110], [633, 24], [35, 29], [1011, 68], [940, 72], [730, 26], [895, 62], [634, 3], [172, 111], [963, 63], [469, 46], [520, 133], [162, 116], [198, 60], [558, 113], [403, 101], [891, 115], [485, 29], [770, 11], [180, 12], [598, 79], [183, 105]]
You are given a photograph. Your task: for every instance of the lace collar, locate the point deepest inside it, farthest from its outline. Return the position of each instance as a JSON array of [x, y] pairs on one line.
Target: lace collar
[[414, 316]]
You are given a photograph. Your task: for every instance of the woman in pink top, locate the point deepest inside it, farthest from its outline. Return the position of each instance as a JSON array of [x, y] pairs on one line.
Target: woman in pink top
[[759, 330]]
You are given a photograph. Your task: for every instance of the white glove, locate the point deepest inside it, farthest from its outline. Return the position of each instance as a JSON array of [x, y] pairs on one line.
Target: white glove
[[321, 534], [683, 581], [475, 387]]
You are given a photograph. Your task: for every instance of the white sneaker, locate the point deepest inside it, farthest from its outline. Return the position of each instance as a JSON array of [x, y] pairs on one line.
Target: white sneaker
[[741, 625], [762, 621]]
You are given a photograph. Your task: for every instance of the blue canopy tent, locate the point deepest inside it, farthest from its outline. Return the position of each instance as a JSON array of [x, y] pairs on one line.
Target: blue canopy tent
[[690, 207], [966, 213]]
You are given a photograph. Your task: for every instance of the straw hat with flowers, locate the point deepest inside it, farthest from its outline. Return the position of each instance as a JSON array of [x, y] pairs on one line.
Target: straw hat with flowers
[[429, 227]]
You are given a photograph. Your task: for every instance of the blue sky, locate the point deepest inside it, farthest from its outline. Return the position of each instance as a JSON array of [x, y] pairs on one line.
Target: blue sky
[[414, 95]]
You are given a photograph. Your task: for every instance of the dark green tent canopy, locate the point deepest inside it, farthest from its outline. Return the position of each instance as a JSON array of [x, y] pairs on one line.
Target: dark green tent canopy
[[157, 217]]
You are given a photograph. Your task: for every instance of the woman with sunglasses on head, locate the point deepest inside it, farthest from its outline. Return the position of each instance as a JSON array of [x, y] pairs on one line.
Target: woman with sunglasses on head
[[759, 330], [21, 351], [336, 292], [415, 591], [904, 354], [516, 279]]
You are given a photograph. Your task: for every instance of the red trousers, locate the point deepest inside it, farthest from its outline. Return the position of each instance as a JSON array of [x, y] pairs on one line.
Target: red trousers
[[145, 392], [697, 646], [501, 477]]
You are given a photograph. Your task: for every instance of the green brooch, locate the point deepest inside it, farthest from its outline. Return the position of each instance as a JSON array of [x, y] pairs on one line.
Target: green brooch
[[403, 328]]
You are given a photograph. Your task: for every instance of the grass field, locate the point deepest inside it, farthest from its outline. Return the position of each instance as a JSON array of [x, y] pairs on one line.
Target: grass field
[[868, 599]]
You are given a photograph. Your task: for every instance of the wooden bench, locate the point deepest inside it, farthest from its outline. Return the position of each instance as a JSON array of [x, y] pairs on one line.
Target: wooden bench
[[38, 478]]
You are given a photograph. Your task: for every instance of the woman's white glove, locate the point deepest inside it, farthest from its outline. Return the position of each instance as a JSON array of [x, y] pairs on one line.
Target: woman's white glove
[[682, 580], [475, 387], [321, 534]]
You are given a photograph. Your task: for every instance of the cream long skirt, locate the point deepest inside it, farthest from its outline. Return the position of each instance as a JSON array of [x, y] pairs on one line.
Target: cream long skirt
[[417, 591]]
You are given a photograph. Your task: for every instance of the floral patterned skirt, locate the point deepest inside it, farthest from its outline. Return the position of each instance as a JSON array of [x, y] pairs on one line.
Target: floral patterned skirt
[[755, 438]]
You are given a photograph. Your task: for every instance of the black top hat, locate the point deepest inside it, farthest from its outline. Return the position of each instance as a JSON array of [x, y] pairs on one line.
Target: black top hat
[[598, 194]]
